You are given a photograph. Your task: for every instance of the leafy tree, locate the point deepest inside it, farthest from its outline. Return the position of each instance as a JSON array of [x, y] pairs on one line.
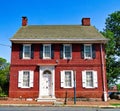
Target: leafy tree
[[113, 25], [4, 76], [112, 32]]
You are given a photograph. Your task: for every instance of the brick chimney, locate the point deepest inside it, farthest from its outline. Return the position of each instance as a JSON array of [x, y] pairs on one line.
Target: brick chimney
[[85, 21], [24, 21]]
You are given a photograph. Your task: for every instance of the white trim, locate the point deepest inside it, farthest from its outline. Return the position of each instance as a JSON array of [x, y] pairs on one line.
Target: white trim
[[62, 40]]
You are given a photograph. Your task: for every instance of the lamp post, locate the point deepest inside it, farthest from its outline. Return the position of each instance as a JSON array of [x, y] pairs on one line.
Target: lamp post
[[74, 72]]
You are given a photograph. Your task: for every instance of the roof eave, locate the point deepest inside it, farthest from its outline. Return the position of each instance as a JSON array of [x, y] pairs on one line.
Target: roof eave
[[59, 40]]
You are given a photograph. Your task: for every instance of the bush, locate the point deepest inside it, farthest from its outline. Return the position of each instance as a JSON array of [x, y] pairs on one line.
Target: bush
[[118, 87]]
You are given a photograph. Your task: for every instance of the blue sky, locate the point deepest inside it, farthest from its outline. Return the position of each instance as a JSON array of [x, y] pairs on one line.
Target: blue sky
[[42, 12]]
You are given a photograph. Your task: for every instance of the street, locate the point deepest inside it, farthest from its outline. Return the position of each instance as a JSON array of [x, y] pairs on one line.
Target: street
[[55, 109]]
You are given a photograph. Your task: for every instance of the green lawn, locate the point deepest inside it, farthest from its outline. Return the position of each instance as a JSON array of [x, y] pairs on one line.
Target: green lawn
[[115, 104]]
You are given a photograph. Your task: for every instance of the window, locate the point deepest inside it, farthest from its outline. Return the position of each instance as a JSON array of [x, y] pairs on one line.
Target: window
[[67, 54], [25, 79], [26, 51], [87, 51], [67, 79], [46, 51], [89, 79]]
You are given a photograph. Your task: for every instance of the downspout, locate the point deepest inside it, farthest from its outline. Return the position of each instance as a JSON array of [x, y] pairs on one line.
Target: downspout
[[103, 73]]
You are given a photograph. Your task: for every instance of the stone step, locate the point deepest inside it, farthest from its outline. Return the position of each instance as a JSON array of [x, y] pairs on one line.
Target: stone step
[[46, 99], [57, 103]]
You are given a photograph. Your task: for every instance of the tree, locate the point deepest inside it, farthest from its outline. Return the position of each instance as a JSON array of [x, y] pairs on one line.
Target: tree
[[112, 32], [4, 75], [113, 25]]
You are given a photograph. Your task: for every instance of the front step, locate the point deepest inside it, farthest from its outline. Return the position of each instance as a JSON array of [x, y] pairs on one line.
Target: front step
[[46, 99], [57, 103]]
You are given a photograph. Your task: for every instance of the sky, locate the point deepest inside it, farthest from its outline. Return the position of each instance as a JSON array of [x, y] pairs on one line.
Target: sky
[[50, 12]]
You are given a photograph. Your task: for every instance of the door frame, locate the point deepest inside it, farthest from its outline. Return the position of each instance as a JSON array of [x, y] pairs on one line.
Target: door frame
[[41, 71]]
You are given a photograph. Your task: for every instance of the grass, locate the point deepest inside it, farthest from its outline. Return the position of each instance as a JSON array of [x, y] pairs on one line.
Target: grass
[[115, 104]]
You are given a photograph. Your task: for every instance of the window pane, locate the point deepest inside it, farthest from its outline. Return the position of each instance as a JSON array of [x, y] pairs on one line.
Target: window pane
[[89, 79], [88, 51], [47, 51], [26, 78], [27, 50], [68, 82], [67, 51]]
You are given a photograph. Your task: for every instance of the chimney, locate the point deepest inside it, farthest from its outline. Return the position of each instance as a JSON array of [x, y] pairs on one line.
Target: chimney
[[24, 21], [85, 21]]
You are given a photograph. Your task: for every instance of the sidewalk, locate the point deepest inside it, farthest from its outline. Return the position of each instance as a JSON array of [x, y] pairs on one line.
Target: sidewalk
[[69, 103]]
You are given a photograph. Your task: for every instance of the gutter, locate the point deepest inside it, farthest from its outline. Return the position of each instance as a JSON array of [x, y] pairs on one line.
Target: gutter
[[103, 73]]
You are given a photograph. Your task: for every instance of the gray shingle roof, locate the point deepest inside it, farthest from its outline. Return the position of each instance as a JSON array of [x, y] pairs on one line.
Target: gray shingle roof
[[58, 33]]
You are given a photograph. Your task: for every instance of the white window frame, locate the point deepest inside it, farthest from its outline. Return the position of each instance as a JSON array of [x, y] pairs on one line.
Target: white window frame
[[44, 45], [29, 57], [95, 79], [64, 56], [63, 79], [86, 57], [20, 78]]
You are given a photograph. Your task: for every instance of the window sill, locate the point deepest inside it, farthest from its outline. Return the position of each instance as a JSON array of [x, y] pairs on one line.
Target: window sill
[[90, 87], [25, 87], [67, 87], [26, 58], [67, 58], [46, 58], [88, 58]]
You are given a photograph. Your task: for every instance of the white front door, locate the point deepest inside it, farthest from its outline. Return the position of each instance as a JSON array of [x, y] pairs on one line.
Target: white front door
[[46, 84]]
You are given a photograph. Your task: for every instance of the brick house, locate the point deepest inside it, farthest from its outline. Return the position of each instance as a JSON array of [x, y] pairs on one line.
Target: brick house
[[46, 61]]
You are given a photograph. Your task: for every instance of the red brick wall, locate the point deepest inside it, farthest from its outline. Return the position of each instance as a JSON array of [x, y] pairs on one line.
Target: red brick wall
[[76, 63]]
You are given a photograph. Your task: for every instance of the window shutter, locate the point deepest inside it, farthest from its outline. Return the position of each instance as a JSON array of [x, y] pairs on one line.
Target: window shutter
[[82, 51], [72, 78], [61, 51], [62, 77], [52, 51], [41, 51], [31, 78], [84, 78], [21, 52], [93, 52], [20, 79], [32, 51], [95, 79]]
